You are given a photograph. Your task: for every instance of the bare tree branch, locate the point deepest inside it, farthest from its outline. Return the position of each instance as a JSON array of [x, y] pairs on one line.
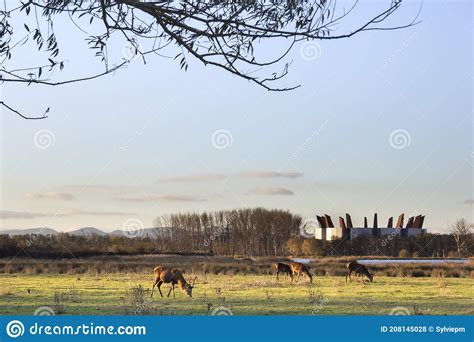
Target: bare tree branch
[[223, 34], [24, 116]]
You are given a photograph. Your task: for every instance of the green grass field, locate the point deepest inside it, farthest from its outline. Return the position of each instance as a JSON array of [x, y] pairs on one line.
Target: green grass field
[[242, 294]]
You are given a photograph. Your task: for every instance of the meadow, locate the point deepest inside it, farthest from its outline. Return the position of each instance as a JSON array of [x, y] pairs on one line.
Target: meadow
[[129, 293], [225, 265]]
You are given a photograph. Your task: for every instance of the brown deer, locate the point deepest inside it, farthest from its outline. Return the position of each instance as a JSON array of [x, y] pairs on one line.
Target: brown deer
[[283, 268], [300, 269], [359, 270], [172, 276]]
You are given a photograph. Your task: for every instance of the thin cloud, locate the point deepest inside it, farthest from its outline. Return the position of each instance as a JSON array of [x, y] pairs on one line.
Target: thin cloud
[[195, 178], [272, 191], [270, 174], [469, 201], [160, 198], [7, 214], [62, 196], [100, 187], [76, 212], [201, 177], [24, 215]]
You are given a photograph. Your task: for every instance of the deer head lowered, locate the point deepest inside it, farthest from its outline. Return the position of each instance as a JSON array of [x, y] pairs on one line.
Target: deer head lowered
[[174, 277], [359, 270]]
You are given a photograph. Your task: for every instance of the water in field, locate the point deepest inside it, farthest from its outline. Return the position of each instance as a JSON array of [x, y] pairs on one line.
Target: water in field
[[302, 260], [411, 261], [396, 261]]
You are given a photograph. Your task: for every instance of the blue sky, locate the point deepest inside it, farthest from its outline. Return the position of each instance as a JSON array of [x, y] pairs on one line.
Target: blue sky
[[382, 123]]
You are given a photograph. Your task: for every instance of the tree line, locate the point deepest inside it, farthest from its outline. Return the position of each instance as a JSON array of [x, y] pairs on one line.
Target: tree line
[[249, 232], [424, 245], [243, 232]]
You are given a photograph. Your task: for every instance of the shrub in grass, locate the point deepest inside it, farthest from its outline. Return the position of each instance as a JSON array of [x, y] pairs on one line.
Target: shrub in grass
[[136, 302], [453, 274], [59, 302], [437, 273], [404, 253], [441, 283], [418, 273]]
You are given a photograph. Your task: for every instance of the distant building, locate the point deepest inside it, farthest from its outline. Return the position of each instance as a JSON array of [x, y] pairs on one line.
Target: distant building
[[327, 230]]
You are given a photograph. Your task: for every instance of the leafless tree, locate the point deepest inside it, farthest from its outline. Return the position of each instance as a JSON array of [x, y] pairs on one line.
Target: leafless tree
[[222, 33], [248, 232], [461, 232]]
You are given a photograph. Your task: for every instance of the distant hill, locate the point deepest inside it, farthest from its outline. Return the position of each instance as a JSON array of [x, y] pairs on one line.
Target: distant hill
[[87, 231], [37, 231], [146, 232], [90, 231]]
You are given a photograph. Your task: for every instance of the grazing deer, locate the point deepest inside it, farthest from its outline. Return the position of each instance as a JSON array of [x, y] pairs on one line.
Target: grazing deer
[[359, 270], [300, 269], [285, 269], [172, 276]]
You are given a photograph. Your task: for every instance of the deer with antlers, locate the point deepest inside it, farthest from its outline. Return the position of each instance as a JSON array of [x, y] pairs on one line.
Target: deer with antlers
[[172, 276], [298, 269]]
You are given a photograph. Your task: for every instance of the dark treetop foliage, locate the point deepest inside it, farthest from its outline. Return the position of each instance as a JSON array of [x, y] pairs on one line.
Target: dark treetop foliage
[[70, 246], [224, 34]]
